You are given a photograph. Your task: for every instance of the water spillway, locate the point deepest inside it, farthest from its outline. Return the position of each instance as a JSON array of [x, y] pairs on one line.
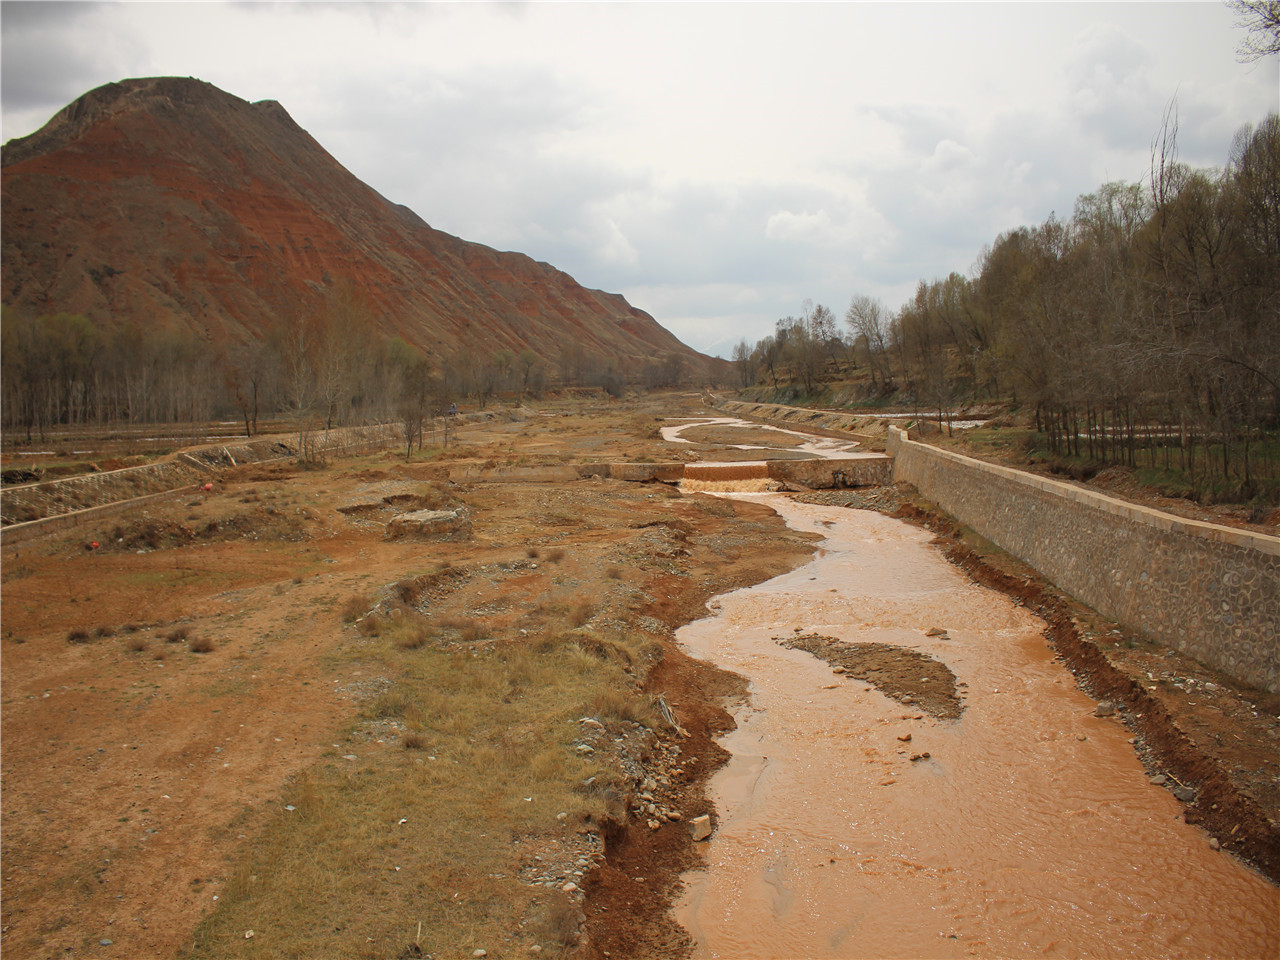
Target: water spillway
[[855, 823]]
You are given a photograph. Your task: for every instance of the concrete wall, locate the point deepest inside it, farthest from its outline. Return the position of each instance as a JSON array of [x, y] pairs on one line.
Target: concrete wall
[[1209, 591]]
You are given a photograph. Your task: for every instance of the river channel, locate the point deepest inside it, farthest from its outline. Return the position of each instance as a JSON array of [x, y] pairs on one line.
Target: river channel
[[1027, 827]]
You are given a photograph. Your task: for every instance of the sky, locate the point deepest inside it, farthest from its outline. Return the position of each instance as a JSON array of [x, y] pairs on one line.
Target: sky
[[719, 164]]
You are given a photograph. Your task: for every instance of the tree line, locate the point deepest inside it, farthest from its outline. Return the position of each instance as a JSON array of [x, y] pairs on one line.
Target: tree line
[[1143, 330], [323, 369]]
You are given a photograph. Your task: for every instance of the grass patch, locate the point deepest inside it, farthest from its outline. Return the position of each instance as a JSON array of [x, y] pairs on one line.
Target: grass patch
[[201, 645], [78, 636], [321, 880]]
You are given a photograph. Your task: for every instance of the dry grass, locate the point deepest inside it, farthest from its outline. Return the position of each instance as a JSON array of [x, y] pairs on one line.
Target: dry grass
[[136, 644], [177, 635], [556, 555], [500, 728], [104, 631], [355, 607], [581, 612], [200, 645], [78, 636]]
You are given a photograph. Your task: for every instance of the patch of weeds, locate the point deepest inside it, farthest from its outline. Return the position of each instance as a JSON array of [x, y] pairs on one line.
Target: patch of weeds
[[78, 636], [177, 635], [621, 705], [372, 625], [581, 612], [614, 573], [391, 705], [131, 628], [200, 645], [355, 607], [415, 740], [104, 631], [556, 555], [136, 644], [532, 553]]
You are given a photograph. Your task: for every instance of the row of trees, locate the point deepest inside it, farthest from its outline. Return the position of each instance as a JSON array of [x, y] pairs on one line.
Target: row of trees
[[1144, 328], [323, 369]]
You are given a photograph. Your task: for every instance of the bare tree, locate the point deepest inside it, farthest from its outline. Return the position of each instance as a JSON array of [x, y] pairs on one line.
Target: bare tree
[[1261, 18]]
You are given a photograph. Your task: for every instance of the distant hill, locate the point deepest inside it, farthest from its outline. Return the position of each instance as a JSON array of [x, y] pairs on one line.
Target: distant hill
[[167, 202]]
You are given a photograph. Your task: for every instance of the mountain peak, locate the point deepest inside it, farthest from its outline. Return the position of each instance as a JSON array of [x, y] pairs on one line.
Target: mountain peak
[[167, 201]]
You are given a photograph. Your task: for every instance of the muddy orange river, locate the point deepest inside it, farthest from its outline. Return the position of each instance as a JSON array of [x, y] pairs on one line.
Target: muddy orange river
[[1031, 829]]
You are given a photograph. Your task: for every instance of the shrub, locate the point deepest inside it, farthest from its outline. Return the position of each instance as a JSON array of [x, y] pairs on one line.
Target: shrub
[[355, 607], [556, 555], [136, 644], [104, 631], [200, 645], [415, 740], [177, 635], [371, 626], [614, 573], [582, 611], [532, 553], [78, 636]]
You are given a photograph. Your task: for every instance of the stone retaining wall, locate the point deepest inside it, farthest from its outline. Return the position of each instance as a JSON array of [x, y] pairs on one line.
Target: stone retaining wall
[[1209, 591], [822, 422], [38, 503]]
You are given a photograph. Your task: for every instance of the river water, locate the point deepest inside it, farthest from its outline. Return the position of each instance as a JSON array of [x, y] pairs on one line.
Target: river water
[[1030, 830]]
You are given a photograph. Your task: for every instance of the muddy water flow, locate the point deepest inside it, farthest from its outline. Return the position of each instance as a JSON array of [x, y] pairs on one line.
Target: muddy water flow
[[1026, 827]]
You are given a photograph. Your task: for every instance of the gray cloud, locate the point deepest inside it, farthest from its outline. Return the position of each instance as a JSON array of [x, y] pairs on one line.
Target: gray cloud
[[717, 163]]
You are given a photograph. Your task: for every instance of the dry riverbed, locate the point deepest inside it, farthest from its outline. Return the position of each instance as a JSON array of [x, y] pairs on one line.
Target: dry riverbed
[[250, 724]]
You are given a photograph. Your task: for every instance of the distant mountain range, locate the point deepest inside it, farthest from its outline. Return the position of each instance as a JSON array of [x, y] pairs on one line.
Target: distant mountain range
[[167, 202]]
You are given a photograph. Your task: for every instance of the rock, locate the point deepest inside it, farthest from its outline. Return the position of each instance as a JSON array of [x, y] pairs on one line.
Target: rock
[[935, 632], [905, 738], [430, 525], [584, 749], [1214, 844], [654, 824], [569, 887], [1104, 709], [1159, 780], [104, 943], [700, 827], [479, 953], [1185, 794], [837, 669]]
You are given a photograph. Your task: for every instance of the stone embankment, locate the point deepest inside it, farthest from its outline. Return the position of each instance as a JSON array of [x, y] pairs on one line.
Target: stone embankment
[[795, 474], [39, 507], [824, 422], [1208, 591]]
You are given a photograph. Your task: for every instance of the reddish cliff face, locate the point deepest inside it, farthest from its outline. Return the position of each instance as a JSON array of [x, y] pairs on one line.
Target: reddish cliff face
[[168, 202]]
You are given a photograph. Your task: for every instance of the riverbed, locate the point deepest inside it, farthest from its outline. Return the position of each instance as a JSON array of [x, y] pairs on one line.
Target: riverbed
[[852, 824]]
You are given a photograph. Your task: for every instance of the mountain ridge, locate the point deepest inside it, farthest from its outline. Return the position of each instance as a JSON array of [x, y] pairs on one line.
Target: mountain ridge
[[169, 202]]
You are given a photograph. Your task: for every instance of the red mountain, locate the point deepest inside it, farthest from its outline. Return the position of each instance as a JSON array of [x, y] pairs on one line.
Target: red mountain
[[169, 202]]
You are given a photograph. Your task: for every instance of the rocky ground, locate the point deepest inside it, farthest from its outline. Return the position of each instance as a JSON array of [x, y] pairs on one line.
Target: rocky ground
[[173, 697]]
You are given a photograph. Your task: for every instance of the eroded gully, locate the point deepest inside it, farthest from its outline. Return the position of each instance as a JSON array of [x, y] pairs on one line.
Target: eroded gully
[[1030, 830]]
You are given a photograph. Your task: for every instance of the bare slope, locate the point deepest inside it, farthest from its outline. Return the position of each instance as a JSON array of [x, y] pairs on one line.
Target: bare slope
[[169, 202]]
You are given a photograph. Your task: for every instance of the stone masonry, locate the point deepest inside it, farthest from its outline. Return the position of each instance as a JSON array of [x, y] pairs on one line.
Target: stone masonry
[[1209, 591]]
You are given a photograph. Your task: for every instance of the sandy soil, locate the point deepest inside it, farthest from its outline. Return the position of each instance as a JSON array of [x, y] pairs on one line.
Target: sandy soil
[[136, 768]]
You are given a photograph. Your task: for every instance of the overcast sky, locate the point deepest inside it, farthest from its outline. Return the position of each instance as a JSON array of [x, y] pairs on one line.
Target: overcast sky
[[718, 164]]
